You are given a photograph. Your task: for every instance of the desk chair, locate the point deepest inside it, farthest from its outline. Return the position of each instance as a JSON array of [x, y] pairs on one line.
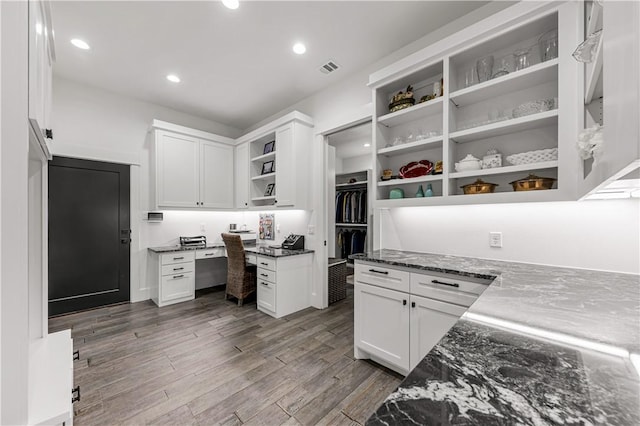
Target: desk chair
[[241, 278]]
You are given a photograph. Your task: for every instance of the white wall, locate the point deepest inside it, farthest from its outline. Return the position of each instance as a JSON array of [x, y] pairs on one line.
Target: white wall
[[356, 164], [600, 234]]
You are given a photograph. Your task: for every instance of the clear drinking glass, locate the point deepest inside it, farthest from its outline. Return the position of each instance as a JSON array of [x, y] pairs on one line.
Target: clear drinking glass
[[548, 44], [523, 59], [471, 76], [485, 68], [505, 65]]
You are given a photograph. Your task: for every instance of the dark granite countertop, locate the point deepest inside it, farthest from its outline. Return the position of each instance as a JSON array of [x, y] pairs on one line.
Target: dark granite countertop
[[275, 252], [178, 247], [261, 250], [481, 373]]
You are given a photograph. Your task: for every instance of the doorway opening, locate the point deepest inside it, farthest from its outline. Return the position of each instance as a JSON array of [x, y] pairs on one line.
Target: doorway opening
[[349, 185]]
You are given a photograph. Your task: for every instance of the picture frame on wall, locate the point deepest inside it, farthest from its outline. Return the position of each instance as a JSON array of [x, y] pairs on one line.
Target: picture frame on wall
[[268, 192], [269, 147], [267, 167]]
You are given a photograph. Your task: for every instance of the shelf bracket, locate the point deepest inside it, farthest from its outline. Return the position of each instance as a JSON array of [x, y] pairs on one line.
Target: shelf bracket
[[454, 104]]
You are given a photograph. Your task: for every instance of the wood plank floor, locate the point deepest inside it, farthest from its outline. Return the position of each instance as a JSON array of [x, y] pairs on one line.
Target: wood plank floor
[[210, 362]]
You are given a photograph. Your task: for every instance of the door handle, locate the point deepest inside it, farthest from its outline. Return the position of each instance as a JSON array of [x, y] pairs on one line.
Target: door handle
[[444, 283], [413, 304], [404, 302]]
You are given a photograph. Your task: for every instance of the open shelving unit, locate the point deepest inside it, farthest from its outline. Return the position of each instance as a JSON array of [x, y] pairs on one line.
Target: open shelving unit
[[472, 119], [258, 180]]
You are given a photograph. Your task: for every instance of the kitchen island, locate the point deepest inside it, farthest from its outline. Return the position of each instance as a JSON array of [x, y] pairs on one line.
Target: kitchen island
[[541, 345]]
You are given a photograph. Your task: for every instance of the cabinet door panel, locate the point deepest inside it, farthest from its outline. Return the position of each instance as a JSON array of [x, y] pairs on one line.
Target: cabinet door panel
[[216, 175], [242, 176], [266, 296], [285, 190], [177, 170], [178, 286], [430, 321], [37, 54], [382, 324]]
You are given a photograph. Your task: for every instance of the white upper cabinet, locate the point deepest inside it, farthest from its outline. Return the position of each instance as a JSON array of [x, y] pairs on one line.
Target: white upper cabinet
[[612, 94], [41, 58], [177, 177], [279, 162], [242, 176], [192, 169], [216, 175], [286, 171], [506, 83]]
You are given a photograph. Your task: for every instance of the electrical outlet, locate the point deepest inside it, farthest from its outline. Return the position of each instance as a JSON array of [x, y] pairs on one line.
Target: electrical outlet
[[495, 239]]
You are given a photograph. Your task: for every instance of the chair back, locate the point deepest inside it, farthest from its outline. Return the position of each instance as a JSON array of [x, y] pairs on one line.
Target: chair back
[[236, 258]]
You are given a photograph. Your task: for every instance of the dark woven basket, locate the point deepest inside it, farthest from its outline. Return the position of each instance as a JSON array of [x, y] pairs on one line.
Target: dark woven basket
[[337, 279]]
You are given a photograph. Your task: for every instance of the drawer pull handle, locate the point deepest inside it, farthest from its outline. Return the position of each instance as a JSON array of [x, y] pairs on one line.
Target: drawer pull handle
[[265, 264], [379, 272], [75, 394], [178, 276], [209, 254], [444, 283], [178, 258], [263, 283], [264, 275], [178, 269]]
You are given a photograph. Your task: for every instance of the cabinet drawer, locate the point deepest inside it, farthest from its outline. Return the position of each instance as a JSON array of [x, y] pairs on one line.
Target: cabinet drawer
[[266, 297], [382, 277], [180, 286], [177, 257], [266, 263], [266, 275], [177, 268], [251, 259], [448, 288], [212, 252]]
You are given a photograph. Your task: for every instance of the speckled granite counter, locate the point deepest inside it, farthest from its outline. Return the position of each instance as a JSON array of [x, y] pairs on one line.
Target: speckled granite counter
[[275, 252], [177, 247], [481, 374], [259, 249]]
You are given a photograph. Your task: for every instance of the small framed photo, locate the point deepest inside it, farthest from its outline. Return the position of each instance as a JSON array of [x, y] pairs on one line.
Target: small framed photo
[[267, 167], [268, 147], [269, 191]]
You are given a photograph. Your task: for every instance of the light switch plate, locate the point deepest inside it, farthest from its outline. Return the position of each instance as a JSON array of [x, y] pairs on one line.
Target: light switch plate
[[495, 239]]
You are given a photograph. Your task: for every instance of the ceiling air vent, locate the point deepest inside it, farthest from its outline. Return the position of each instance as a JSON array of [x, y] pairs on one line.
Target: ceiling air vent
[[329, 67]]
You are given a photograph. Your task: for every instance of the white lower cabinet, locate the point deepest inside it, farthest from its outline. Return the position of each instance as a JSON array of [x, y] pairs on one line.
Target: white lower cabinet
[[172, 277], [283, 284], [382, 324], [430, 321], [396, 327]]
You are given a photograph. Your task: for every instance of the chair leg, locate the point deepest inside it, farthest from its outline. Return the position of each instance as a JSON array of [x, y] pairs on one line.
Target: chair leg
[[240, 302]]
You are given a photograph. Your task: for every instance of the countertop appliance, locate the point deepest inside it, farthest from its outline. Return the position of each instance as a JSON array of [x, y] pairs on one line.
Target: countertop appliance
[[293, 242]]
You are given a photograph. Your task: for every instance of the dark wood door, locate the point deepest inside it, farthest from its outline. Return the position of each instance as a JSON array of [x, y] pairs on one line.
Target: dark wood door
[[89, 234]]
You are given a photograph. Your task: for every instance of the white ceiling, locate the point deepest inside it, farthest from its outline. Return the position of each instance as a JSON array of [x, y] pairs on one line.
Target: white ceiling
[[350, 142], [236, 66]]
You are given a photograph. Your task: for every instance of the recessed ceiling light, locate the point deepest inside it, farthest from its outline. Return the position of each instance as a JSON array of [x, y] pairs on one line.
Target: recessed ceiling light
[[173, 78], [299, 48], [231, 4], [80, 44], [367, 145]]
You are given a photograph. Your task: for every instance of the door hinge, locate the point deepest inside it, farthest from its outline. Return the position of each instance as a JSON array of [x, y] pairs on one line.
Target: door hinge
[[75, 394]]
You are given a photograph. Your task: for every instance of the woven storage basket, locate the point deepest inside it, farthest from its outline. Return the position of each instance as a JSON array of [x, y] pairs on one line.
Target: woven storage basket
[[337, 279], [531, 157]]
